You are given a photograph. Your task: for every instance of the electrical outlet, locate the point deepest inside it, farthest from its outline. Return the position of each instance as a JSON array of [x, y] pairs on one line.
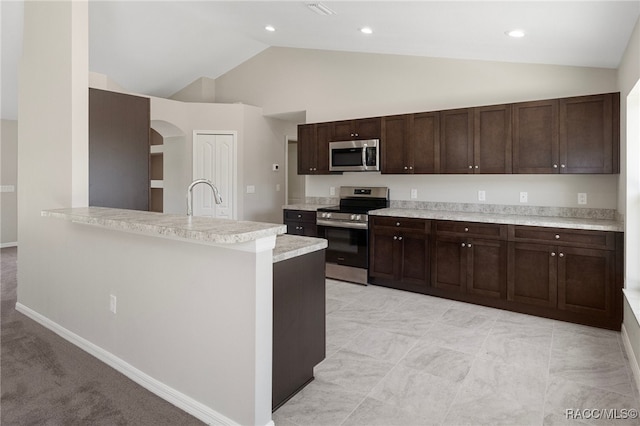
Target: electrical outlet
[[275, 167], [524, 197], [251, 189], [113, 303], [482, 195], [582, 198], [332, 190], [414, 193]]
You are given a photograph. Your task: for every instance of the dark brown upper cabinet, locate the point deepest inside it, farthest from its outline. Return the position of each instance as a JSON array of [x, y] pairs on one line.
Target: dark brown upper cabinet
[[409, 143], [492, 139], [568, 135], [476, 140], [364, 128], [535, 137], [313, 148], [588, 128], [456, 141]]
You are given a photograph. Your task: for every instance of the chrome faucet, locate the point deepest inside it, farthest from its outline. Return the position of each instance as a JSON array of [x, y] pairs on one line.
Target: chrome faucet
[[216, 194]]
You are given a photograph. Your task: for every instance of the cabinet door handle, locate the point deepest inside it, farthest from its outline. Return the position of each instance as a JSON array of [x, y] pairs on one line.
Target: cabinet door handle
[[466, 229], [557, 236], [561, 255], [562, 166], [397, 223], [555, 166], [410, 167], [553, 254], [395, 237], [299, 216], [476, 167], [399, 238], [469, 245], [471, 167], [405, 167], [463, 245]]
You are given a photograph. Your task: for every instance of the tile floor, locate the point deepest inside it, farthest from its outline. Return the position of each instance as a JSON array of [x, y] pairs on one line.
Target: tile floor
[[399, 358]]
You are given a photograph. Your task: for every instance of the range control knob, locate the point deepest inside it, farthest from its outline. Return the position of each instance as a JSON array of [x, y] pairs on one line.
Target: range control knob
[[358, 217], [352, 217]]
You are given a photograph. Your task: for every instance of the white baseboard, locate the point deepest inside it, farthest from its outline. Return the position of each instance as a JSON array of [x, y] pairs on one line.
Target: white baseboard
[[633, 361], [5, 245], [180, 400]]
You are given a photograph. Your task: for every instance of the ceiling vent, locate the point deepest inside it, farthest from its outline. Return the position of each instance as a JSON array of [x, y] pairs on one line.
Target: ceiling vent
[[320, 9]]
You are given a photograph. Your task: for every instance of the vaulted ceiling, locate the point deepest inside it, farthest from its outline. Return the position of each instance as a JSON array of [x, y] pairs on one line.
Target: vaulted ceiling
[[158, 47]]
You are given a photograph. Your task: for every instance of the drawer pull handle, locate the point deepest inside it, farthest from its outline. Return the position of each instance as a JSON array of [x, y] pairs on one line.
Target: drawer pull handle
[[557, 236], [553, 254], [466, 229], [397, 223]]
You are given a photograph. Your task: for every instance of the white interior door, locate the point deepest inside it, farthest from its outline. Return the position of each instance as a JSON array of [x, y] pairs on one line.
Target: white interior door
[[214, 156]]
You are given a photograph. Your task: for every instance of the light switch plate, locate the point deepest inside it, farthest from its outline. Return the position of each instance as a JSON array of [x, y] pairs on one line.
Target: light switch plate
[[482, 195], [414, 193], [251, 189], [332, 190]]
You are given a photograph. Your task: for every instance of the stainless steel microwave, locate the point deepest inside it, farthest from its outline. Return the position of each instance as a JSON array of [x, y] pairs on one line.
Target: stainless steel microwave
[[354, 156]]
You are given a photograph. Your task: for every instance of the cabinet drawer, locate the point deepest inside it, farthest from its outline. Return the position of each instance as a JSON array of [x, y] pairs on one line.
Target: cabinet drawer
[[473, 229], [400, 223], [563, 237], [300, 215]]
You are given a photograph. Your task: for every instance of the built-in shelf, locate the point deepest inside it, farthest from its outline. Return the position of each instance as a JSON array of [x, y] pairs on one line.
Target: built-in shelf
[[156, 149]]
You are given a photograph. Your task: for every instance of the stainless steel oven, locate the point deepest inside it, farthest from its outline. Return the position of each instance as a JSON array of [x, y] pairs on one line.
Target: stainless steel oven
[[346, 228]]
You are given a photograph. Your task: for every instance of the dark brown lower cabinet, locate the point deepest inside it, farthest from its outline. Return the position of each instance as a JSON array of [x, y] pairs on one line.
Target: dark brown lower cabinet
[[466, 265], [576, 284], [399, 253], [564, 274], [298, 323], [300, 222]]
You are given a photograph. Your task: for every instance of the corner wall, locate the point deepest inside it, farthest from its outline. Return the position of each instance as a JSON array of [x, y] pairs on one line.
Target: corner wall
[[629, 84], [9, 177]]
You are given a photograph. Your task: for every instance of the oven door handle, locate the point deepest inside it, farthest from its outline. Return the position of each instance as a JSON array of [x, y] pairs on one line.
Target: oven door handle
[[336, 224]]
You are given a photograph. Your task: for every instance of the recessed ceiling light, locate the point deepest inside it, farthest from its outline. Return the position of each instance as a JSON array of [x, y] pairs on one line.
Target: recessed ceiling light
[[515, 33], [366, 30], [270, 28]]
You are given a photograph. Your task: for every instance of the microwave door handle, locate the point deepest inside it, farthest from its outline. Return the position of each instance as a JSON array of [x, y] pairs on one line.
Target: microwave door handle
[[364, 158]]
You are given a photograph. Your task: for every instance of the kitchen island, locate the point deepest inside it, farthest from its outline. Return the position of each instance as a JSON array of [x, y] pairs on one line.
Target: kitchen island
[[183, 306]]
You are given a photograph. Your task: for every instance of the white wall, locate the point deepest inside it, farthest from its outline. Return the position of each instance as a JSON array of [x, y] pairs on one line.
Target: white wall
[[9, 176], [52, 130], [339, 85]]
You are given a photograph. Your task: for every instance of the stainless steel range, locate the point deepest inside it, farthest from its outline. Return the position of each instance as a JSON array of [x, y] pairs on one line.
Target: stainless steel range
[[346, 228]]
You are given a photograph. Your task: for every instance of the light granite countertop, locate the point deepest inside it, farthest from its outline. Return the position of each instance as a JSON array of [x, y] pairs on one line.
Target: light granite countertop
[[307, 207], [289, 246], [509, 219], [570, 218], [197, 228]]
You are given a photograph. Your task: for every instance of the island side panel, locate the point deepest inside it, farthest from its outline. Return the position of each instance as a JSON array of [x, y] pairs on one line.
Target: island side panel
[[298, 322], [186, 312]]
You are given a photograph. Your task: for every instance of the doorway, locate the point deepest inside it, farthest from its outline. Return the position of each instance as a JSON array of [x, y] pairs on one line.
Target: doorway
[[295, 182], [214, 158]]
